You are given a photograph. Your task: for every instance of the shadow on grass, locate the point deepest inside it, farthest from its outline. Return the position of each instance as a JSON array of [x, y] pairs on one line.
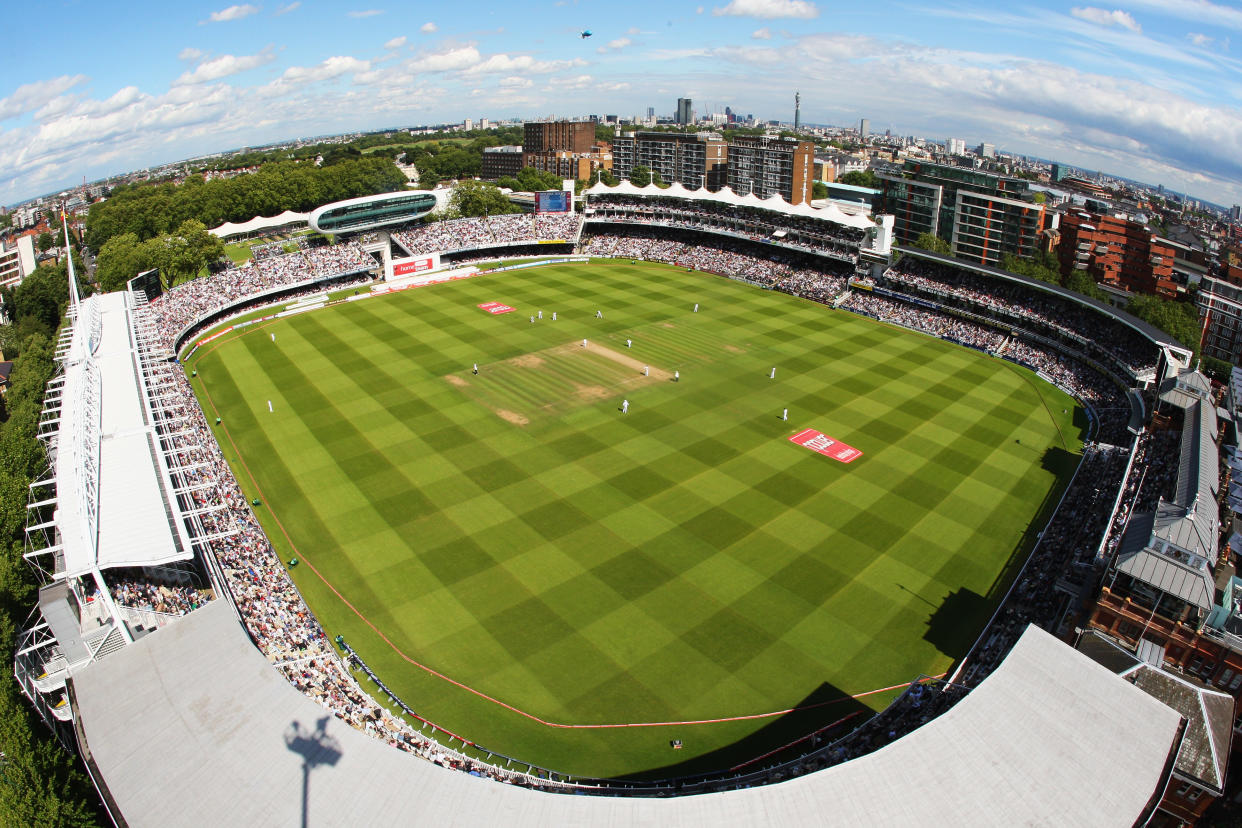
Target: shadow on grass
[[955, 624], [831, 714]]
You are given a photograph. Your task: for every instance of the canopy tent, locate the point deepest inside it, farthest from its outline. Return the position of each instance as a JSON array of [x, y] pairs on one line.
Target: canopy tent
[[258, 224]]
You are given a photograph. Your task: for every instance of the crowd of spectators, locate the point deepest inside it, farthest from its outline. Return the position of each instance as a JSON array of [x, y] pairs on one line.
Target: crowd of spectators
[[170, 599], [807, 233], [489, 231], [1096, 333], [185, 303]]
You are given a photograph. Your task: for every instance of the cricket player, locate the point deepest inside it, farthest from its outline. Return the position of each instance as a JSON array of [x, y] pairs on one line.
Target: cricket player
[[625, 406]]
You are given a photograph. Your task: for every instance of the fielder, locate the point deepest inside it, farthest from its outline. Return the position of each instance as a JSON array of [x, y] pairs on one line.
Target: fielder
[[625, 406]]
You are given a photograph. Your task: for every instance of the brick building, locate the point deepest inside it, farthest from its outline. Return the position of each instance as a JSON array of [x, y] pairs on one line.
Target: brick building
[[689, 160], [1117, 252], [764, 165], [566, 148]]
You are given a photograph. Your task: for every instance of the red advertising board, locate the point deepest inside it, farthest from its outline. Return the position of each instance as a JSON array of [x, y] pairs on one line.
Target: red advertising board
[[405, 268], [820, 442], [495, 307]]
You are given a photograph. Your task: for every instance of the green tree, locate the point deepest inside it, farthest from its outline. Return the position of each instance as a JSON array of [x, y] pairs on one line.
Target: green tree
[[39, 301], [933, 243], [819, 190], [1043, 266], [640, 175], [6, 220], [120, 259], [1084, 284], [1178, 319], [45, 242], [861, 178], [478, 198]]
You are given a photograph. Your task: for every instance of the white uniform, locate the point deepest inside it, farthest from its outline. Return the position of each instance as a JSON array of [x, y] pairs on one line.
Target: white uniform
[[625, 406]]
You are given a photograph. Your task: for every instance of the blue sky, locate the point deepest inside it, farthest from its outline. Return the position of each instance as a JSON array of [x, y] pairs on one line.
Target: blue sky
[[1149, 89]]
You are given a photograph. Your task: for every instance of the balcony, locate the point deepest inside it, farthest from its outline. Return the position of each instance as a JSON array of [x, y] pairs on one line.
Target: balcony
[[62, 710]]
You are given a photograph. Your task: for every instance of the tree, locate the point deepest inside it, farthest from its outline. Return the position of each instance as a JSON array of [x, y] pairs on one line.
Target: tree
[[1044, 267], [819, 190], [640, 175], [861, 178], [478, 198], [1178, 319], [120, 259], [6, 220], [933, 243], [45, 242], [1084, 284]]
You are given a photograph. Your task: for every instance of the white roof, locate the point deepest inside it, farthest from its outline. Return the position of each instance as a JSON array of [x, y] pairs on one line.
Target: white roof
[[195, 715], [726, 196], [258, 223], [133, 527]]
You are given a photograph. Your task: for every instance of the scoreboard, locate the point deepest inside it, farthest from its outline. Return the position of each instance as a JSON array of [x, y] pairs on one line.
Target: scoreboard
[[553, 201]]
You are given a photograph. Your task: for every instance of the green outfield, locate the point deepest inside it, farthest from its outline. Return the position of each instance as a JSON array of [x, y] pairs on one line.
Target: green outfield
[[516, 532]]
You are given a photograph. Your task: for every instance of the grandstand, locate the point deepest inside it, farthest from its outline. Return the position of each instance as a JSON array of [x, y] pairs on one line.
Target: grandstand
[[139, 525]]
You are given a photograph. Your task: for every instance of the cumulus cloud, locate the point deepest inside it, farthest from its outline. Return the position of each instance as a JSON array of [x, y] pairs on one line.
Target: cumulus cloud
[[232, 13], [31, 96], [502, 62], [1200, 39], [1104, 17], [768, 9], [189, 53], [449, 59], [515, 82], [223, 66], [294, 6], [333, 67], [762, 34], [614, 45], [576, 82], [366, 13], [395, 43], [428, 28]]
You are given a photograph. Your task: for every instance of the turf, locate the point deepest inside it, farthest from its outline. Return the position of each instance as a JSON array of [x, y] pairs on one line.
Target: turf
[[517, 533]]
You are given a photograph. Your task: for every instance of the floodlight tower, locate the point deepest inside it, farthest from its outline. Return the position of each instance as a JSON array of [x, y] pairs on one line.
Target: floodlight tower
[[73, 282]]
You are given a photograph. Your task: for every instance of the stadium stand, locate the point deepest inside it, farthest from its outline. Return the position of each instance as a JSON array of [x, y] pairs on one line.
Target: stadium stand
[[1091, 352]]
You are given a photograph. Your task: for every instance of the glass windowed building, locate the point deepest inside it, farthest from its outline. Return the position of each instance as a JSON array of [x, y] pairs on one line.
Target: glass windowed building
[[377, 212]]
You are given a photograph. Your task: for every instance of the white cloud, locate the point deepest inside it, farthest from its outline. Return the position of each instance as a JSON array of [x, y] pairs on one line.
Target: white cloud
[[515, 82], [619, 43], [31, 96], [633, 30], [428, 27], [189, 53], [502, 62], [294, 6], [395, 43], [451, 59], [1200, 39], [762, 34], [233, 13], [1104, 17], [223, 66], [366, 13], [576, 82], [333, 67], [769, 9]]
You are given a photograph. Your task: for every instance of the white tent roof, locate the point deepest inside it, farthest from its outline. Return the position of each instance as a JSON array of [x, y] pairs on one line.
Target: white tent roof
[[1024, 748], [725, 195], [258, 223], [103, 395]]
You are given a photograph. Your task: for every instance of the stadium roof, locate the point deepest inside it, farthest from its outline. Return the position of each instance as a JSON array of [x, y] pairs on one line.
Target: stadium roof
[[117, 454], [193, 721], [727, 196], [257, 224]]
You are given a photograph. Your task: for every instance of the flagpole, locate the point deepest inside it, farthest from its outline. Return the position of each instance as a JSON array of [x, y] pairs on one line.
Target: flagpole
[[73, 282]]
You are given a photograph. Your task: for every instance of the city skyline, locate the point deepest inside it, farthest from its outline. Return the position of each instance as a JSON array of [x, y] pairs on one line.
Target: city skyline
[[1141, 90]]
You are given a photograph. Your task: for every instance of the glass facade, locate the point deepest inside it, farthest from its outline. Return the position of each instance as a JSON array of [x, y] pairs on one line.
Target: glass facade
[[373, 213]]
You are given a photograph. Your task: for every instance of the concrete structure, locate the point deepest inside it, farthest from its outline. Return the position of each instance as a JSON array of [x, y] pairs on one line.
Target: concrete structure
[[685, 112], [1220, 313], [981, 215], [864, 129], [1116, 251], [197, 716], [797, 111], [17, 261], [688, 160], [499, 162], [769, 166]]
